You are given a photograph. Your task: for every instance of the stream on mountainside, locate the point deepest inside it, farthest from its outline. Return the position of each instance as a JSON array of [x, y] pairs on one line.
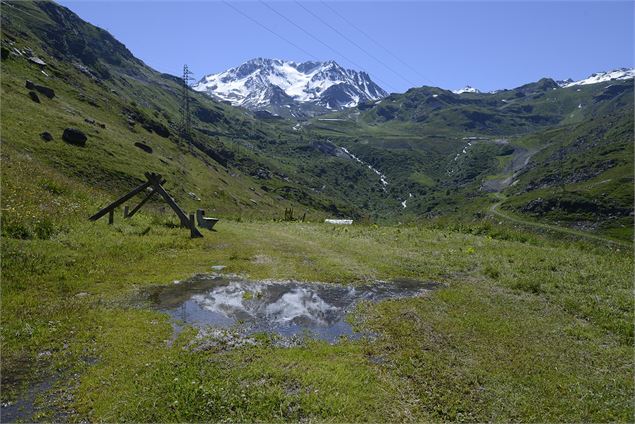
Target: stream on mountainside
[[285, 308]]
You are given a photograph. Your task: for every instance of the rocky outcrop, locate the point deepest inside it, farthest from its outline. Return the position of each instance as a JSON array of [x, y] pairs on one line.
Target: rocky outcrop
[[75, 137], [47, 91]]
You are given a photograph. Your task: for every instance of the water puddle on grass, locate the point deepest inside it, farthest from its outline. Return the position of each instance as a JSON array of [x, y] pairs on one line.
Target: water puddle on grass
[[285, 308]]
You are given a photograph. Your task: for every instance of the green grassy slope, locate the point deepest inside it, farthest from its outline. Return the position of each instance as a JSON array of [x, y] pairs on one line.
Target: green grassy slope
[[117, 101], [436, 148], [452, 151], [521, 321], [581, 177]]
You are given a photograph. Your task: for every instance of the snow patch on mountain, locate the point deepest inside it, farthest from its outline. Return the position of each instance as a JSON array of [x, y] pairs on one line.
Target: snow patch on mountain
[[466, 89], [260, 83], [617, 74], [382, 177]]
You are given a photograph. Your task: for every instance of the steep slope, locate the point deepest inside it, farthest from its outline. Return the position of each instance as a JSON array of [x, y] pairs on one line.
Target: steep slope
[[291, 89], [580, 176], [130, 114]]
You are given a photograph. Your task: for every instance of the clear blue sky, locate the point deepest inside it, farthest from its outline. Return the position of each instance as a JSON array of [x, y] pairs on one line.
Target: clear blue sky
[[488, 45]]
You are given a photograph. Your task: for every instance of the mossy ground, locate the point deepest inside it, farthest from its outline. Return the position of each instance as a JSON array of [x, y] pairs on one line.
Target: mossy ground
[[526, 328]]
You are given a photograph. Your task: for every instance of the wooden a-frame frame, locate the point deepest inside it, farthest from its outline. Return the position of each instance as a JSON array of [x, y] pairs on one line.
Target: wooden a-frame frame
[[155, 181]]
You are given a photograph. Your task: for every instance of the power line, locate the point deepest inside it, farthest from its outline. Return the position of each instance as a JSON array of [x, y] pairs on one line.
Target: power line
[[320, 41], [269, 30], [377, 43], [186, 119], [355, 44]]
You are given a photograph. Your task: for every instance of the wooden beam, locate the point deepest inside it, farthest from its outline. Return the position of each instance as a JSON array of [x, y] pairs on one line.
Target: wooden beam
[[119, 201], [185, 221], [143, 202]]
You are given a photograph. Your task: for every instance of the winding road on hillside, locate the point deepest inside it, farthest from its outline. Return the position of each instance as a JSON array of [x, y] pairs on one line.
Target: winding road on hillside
[[520, 159], [494, 209]]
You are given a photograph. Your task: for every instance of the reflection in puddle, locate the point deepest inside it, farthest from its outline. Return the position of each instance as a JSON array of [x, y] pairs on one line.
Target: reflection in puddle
[[286, 308]]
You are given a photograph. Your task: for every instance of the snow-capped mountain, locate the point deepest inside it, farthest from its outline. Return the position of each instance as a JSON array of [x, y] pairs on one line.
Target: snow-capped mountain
[[466, 89], [617, 74], [289, 88]]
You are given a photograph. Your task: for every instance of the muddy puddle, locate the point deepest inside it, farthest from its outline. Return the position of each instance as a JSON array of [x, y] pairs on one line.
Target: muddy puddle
[[285, 308]]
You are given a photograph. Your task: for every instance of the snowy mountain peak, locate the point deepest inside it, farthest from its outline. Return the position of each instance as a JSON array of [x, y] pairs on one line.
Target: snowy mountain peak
[[466, 89], [287, 87], [617, 74]]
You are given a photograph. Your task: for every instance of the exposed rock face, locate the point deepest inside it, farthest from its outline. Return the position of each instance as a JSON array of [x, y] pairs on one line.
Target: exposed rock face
[[74, 136], [46, 136], [33, 95], [47, 91]]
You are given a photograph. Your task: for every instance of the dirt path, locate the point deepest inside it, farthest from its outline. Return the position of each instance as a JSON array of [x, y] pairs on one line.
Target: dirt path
[[494, 209]]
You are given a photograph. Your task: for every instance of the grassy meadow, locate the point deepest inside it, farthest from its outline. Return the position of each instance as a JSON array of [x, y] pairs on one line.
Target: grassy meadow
[[531, 322], [526, 327]]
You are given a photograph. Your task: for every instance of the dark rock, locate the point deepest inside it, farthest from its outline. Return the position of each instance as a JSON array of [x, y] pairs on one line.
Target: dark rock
[[74, 136], [90, 121], [157, 127], [48, 92], [143, 147], [33, 95], [29, 85], [101, 125], [5, 53], [46, 136]]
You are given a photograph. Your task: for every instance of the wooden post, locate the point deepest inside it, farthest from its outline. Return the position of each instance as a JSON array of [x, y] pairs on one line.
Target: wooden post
[[125, 211], [111, 216], [179, 212], [193, 230]]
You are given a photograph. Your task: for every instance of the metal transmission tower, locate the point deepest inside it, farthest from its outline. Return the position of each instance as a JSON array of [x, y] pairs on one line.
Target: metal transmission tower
[[186, 121]]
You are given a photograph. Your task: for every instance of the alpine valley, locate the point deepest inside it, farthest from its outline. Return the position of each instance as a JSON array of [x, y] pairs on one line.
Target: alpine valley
[[517, 202]]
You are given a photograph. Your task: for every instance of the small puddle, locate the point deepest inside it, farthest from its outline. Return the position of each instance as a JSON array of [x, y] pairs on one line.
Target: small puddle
[[24, 408], [285, 308]]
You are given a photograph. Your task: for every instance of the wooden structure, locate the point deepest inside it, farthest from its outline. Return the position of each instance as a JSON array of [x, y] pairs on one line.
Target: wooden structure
[[155, 182], [288, 215], [203, 221]]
